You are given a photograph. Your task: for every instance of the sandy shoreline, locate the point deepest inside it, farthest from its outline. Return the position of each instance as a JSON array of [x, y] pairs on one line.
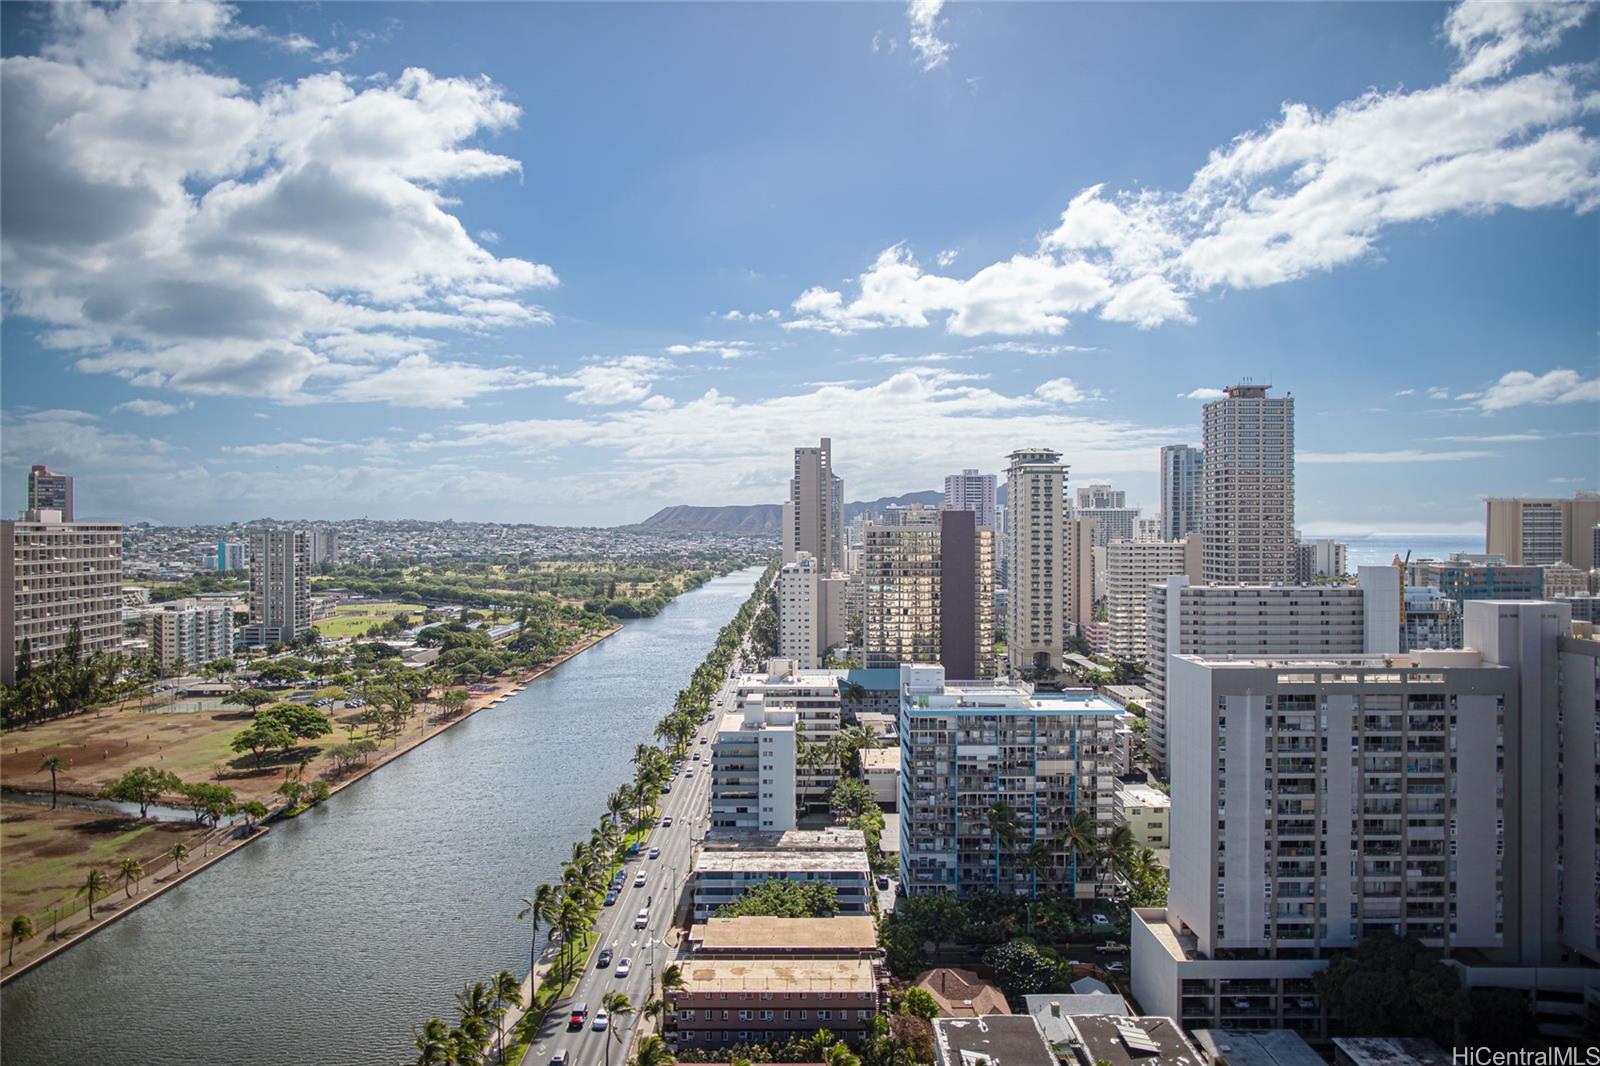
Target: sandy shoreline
[[501, 691]]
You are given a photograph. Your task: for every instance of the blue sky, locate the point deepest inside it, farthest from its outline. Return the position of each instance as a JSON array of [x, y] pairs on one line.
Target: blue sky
[[571, 263]]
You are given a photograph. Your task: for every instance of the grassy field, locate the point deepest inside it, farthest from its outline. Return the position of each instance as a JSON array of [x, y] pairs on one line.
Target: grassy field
[[48, 854], [353, 619]]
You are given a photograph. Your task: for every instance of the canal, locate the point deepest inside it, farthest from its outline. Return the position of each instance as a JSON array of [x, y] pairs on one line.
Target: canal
[[328, 939]]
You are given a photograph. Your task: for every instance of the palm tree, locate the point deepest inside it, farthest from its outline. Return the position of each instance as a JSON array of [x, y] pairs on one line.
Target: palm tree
[[1082, 838], [53, 763], [840, 1055], [672, 980], [538, 908], [433, 1043], [94, 884], [130, 871], [21, 929], [1118, 850], [1040, 858], [179, 852], [506, 992], [475, 1009], [653, 1051], [1005, 830], [618, 1005]]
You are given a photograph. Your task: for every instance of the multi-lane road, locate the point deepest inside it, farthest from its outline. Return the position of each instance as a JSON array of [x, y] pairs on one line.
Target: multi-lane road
[[664, 895]]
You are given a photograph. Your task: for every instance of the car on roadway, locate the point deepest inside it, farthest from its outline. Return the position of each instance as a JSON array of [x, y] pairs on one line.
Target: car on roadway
[[601, 1020], [666, 788], [638, 879], [611, 897], [883, 881], [604, 959], [641, 919], [623, 967], [559, 1058], [666, 823], [655, 853], [580, 1014], [702, 740], [690, 773]]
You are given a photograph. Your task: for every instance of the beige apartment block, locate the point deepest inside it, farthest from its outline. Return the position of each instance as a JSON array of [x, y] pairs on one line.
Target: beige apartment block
[[1036, 550], [1543, 532], [57, 576], [1249, 487]]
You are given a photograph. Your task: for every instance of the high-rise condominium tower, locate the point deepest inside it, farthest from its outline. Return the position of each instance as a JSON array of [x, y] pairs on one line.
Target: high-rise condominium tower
[[50, 491], [1036, 549], [928, 588], [280, 586], [1098, 495], [1182, 491], [57, 577], [972, 491], [1543, 532], [1249, 487], [813, 517]]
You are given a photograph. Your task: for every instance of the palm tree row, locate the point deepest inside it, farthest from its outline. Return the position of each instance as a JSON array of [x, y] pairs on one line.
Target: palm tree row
[[1110, 856], [562, 911]]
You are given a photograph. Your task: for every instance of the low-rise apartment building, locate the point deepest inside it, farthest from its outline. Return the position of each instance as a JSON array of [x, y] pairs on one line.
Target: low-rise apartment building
[[880, 771], [1147, 812], [843, 936], [729, 864], [727, 1001], [966, 747]]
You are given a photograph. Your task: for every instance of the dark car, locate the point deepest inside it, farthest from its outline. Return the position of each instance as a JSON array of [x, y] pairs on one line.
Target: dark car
[[604, 959], [611, 897]]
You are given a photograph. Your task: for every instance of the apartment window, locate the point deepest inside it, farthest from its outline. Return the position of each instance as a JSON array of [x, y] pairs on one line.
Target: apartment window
[[787, 1015], [746, 1015], [824, 1015], [686, 1015]]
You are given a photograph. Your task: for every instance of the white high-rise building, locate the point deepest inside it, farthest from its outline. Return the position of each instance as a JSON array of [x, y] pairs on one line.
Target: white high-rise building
[[1182, 490], [1189, 619], [753, 764], [813, 697], [57, 577], [280, 586], [1112, 523], [972, 491], [799, 608], [1132, 567], [813, 516], [1325, 799], [1249, 487], [1036, 551], [967, 746], [189, 633]]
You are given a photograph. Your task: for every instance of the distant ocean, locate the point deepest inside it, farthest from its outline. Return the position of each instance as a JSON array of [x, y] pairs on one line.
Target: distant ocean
[[1380, 551]]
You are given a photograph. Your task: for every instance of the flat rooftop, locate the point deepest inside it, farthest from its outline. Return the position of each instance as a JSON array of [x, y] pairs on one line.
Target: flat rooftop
[[844, 933], [1143, 796], [880, 759], [1260, 1047], [1146, 1040], [778, 861], [995, 1039], [833, 838], [1390, 1051], [773, 975]]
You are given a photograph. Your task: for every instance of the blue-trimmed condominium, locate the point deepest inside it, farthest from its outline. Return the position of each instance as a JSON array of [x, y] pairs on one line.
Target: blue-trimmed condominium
[[968, 747]]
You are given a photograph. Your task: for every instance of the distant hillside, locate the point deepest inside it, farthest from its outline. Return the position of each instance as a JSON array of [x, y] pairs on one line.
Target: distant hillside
[[762, 519]]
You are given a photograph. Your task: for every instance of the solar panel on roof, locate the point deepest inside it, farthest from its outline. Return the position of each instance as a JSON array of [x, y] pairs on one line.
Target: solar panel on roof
[[1137, 1039]]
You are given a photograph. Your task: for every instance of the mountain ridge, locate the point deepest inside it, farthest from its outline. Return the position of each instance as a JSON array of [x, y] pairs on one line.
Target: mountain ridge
[[763, 519]]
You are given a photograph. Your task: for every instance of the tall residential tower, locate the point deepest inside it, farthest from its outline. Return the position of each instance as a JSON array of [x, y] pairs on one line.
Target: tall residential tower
[[1182, 490], [1036, 550], [1249, 487], [813, 517]]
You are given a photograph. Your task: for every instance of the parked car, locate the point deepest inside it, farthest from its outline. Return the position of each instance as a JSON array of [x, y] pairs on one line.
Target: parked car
[[666, 788], [623, 967], [1112, 947], [604, 959], [1116, 967], [883, 881], [580, 1014], [601, 1020], [1099, 919], [611, 897]]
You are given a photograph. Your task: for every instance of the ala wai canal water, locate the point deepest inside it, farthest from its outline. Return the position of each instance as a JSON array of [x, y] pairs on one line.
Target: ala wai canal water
[[326, 941]]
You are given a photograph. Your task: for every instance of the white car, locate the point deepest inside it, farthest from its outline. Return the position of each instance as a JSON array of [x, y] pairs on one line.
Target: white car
[[1099, 919], [601, 1020], [641, 920], [638, 879], [623, 967]]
